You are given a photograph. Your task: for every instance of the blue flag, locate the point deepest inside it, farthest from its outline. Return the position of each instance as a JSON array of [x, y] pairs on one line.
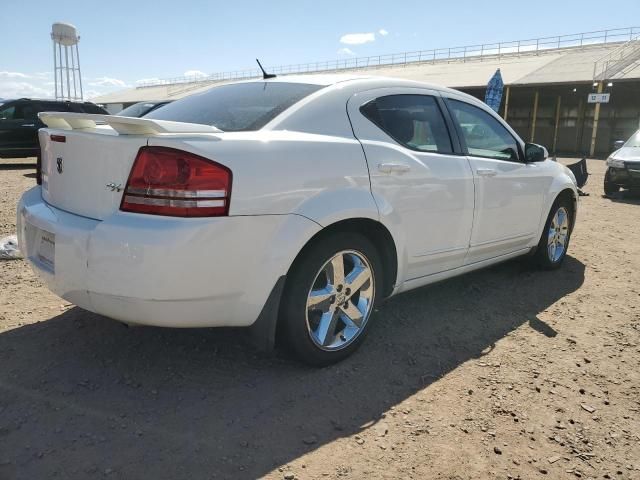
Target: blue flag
[[493, 97]]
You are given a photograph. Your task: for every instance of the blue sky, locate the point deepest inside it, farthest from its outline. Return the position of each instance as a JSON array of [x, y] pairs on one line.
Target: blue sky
[[126, 41]]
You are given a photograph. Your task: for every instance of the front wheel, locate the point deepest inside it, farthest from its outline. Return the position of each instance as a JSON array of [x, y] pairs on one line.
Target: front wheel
[[554, 242], [329, 297], [609, 187]]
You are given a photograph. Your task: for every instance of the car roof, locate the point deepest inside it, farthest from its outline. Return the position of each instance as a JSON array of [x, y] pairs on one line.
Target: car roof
[[332, 79], [327, 80], [29, 99]]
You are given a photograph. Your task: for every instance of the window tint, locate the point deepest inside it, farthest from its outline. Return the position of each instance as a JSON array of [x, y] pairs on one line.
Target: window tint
[[53, 107], [414, 121], [92, 108], [18, 111], [137, 109], [236, 107], [8, 113], [483, 134]]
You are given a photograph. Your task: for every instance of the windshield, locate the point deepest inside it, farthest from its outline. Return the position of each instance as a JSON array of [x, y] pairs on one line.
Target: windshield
[[236, 107], [136, 110], [634, 141]]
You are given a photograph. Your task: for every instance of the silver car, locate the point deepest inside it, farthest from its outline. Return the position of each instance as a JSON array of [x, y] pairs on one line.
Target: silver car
[[623, 167]]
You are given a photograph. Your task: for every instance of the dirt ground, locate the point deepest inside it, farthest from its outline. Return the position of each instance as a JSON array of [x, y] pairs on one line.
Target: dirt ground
[[504, 373]]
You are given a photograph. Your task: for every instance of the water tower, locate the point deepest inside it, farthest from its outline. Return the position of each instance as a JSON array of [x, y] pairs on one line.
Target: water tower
[[68, 80]]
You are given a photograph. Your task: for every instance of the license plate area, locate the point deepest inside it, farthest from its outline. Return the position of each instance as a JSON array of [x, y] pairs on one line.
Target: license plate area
[[44, 252]]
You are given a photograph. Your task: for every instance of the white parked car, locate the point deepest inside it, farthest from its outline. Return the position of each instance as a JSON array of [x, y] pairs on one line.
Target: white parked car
[[294, 202]]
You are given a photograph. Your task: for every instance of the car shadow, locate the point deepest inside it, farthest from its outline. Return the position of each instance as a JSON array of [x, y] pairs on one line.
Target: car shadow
[[625, 196], [17, 166], [82, 395]]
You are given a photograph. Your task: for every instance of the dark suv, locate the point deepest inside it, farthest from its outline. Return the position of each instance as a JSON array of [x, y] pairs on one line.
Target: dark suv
[[19, 123]]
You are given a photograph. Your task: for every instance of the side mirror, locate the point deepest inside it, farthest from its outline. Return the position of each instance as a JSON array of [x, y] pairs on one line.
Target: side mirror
[[535, 153], [618, 144]]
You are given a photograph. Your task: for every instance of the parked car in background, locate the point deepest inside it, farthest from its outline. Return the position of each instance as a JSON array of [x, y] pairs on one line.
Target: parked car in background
[[140, 109], [289, 204], [19, 123], [623, 167]]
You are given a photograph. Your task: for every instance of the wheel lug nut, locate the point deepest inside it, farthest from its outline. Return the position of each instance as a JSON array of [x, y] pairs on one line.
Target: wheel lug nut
[[348, 291], [339, 288]]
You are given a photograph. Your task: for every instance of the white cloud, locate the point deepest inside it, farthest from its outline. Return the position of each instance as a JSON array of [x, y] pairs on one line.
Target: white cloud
[[194, 73], [346, 51], [107, 82], [41, 85], [90, 94], [13, 75], [358, 38], [13, 89], [383, 32]]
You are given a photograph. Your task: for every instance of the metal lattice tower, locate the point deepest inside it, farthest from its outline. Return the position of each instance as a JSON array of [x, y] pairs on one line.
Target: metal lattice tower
[[68, 79]]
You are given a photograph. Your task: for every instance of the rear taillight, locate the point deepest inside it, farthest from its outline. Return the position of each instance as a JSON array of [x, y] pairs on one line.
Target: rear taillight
[[166, 181]]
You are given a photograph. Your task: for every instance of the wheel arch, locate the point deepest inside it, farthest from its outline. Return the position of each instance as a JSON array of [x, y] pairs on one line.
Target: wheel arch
[[561, 188], [375, 232], [572, 197]]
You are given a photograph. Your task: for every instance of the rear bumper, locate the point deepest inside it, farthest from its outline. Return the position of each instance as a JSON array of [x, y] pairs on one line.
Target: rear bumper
[[161, 271]]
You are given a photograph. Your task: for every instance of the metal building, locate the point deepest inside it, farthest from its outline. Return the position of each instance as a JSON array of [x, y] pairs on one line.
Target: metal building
[[549, 84]]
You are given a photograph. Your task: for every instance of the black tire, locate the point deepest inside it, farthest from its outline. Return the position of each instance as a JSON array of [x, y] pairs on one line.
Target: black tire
[[609, 188], [293, 313], [542, 257]]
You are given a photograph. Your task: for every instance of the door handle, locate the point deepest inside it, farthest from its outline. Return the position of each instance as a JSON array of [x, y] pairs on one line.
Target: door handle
[[393, 167], [486, 172], [28, 125]]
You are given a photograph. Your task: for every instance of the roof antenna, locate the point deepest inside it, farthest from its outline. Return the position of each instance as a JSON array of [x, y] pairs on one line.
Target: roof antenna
[[265, 75]]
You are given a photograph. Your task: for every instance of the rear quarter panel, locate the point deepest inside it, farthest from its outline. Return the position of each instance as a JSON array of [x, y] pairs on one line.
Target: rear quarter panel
[[324, 178]]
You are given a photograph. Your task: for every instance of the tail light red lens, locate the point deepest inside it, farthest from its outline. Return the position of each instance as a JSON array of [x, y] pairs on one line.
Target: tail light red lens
[[170, 182]]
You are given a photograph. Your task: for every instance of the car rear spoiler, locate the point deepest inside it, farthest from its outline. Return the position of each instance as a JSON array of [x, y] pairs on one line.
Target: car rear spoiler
[[122, 125]]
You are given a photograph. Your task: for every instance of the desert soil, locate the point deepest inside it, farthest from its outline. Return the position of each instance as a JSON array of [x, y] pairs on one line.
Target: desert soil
[[504, 373]]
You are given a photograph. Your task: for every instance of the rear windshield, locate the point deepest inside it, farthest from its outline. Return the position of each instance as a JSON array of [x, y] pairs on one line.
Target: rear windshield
[[236, 107], [136, 110]]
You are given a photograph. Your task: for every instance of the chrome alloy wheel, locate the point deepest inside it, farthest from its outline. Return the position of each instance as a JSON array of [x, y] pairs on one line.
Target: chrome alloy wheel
[[558, 235], [340, 300]]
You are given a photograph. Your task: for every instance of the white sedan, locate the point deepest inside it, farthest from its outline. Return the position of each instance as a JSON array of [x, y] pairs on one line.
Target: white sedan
[[291, 205]]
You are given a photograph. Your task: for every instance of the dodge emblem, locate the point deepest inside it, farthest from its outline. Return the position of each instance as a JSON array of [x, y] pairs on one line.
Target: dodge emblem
[[59, 166]]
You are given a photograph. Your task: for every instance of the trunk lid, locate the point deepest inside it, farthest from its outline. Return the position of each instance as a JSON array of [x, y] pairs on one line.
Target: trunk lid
[[85, 165]]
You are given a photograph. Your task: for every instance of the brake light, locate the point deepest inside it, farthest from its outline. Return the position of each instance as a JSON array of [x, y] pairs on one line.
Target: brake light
[[171, 182]]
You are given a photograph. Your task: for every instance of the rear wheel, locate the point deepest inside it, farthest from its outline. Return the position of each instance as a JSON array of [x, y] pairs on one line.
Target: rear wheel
[[554, 242], [329, 297]]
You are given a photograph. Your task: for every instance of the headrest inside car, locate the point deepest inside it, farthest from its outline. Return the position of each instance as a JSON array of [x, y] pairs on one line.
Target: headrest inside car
[[399, 124]]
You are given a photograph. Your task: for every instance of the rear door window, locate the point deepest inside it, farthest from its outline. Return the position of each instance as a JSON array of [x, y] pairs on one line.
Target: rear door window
[[414, 121], [8, 113], [19, 111]]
